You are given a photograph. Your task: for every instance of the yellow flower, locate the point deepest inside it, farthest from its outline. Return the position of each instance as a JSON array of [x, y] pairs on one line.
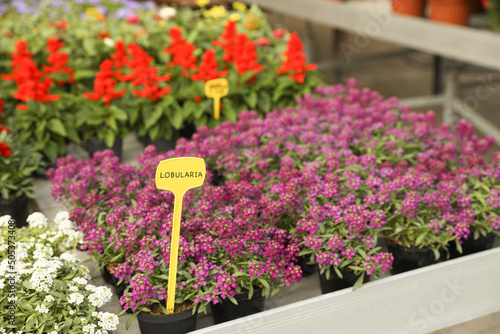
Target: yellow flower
[[215, 12], [202, 3], [94, 13], [234, 17], [239, 6], [35, 31], [162, 23]]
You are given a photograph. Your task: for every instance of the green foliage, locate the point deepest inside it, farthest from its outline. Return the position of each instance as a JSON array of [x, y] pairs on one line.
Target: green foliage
[[15, 179]]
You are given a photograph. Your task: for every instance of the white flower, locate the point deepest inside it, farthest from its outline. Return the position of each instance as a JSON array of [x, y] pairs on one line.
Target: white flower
[[42, 251], [71, 312], [69, 258], [109, 42], [13, 299], [89, 328], [37, 219], [79, 280], [101, 296], [73, 288], [108, 321], [49, 299], [4, 221], [41, 279], [167, 12], [53, 332], [2, 283], [90, 287], [42, 309], [22, 250], [4, 247], [60, 217], [75, 298], [56, 326]]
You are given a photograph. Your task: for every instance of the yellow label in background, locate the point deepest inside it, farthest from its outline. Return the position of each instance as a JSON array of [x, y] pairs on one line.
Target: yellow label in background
[[215, 89], [178, 175]]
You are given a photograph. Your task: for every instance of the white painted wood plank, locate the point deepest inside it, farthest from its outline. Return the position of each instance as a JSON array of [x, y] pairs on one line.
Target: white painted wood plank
[[475, 46], [420, 301]]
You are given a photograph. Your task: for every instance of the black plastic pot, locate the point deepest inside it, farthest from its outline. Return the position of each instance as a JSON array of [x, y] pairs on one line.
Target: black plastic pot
[[406, 259], [17, 208], [226, 310], [96, 145], [471, 246], [177, 323], [187, 131], [161, 144], [107, 276], [307, 269], [335, 283]]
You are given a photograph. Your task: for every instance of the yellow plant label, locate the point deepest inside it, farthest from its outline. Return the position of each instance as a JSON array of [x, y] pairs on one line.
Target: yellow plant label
[[178, 175], [215, 89]]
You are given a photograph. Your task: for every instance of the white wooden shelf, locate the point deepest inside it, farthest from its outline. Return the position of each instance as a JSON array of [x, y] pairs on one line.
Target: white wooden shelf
[[419, 301]]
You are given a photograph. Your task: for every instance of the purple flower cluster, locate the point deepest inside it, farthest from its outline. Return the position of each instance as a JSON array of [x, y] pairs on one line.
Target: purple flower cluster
[[325, 178]]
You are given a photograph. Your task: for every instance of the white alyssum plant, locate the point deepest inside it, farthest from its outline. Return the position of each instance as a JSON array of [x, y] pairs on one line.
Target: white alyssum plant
[[52, 291]]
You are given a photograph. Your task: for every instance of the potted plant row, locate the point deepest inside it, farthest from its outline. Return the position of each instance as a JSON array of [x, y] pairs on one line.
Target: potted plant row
[[149, 77]]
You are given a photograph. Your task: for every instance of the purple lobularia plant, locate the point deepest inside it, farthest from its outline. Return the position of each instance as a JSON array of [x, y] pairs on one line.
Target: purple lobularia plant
[[326, 178]]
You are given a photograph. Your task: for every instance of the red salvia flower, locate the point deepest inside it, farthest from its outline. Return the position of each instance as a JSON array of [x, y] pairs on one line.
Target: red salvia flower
[[104, 84], [119, 58], [28, 78], [57, 60], [4, 149], [181, 51], [145, 75], [208, 68], [294, 61], [229, 42], [246, 59]]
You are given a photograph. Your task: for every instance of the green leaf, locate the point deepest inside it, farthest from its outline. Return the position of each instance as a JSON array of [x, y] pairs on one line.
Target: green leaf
[[264, 101], [251, 99], [177, 119], [359, 282], [153, 118], [109, 138], [84, 74], [130, 319], [436, 253], [337, 271], [56, 126], [420, 238], [231, 298]]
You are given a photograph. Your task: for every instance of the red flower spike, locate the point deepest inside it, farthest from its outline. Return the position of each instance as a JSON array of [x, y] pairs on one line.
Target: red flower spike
[[295, 60], [246, 59], [27, 77], [104, 84], [208, 68], [229, 42], [145, 75], [120, 58], [181, 51], [58, 60]]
